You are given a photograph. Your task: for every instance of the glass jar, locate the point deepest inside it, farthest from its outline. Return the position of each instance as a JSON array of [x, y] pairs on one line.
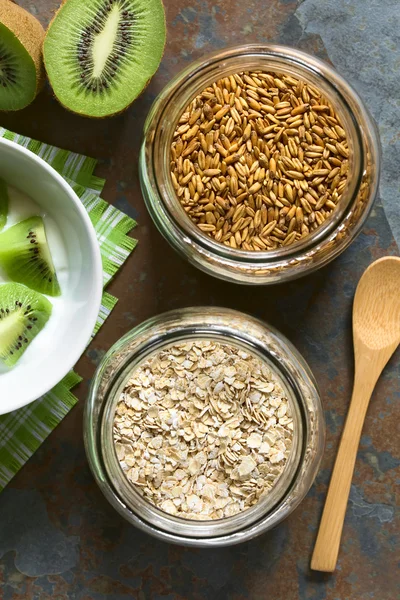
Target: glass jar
[[249, 334], [288, 262]]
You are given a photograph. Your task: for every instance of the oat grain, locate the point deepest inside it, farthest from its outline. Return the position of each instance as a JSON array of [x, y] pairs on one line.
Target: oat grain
[[259, 141]]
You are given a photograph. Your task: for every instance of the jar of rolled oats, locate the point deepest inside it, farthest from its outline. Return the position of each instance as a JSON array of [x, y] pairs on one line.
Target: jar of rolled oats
[[259, 164], [204, 427]]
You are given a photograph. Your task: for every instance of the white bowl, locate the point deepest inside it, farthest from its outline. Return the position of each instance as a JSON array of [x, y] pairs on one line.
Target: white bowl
[[59, 345]]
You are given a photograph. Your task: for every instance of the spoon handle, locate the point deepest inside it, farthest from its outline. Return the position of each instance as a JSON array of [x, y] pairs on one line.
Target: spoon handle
[[326, 548]]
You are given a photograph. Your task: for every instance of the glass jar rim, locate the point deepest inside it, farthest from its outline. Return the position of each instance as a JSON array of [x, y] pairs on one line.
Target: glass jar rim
[[200, 528], [183, 84], [94, 419]]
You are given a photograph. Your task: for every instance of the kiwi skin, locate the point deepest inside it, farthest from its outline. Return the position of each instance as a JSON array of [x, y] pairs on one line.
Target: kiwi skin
[[29, 32], [120, 112]]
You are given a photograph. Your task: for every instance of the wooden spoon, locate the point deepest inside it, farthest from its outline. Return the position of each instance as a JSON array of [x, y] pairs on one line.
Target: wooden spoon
[[376, 335]]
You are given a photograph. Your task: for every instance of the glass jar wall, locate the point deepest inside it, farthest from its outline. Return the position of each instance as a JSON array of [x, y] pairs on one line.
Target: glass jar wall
[[225, 326], [288, 262]]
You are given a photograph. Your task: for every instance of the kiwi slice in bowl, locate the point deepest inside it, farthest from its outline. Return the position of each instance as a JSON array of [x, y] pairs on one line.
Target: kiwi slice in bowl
[[23, 314], [21, 64], [3, 203], [100, 54], [25, 256]]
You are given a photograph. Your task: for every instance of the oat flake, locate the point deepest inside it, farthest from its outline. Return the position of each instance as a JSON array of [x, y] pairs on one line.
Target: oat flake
[[203, 430]]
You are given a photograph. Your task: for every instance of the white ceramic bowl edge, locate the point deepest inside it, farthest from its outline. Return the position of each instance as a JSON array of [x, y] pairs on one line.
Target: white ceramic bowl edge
[[55, 351]]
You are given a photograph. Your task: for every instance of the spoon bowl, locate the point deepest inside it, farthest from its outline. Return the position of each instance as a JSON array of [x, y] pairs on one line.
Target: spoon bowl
[[376, 310]]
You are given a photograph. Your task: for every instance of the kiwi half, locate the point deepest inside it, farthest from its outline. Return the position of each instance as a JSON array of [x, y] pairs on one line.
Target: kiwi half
[[100, 54], [26, 258], [21, 65], [23, 314], [3, 203]]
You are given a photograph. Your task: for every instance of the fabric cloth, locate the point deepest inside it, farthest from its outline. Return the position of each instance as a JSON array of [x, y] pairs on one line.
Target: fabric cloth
[[24, 430]]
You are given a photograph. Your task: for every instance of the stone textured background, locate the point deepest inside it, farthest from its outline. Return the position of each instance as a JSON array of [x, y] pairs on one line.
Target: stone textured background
[[59, 539]]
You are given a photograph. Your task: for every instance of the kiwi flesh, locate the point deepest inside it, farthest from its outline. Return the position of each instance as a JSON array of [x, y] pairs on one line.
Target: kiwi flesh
[[100, 54], [21, 64], [23, 314], [3, 203], [25, 256]]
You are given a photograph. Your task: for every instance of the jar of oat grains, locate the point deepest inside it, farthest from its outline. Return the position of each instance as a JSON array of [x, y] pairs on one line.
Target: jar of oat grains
[[204, 427], [259, 164]]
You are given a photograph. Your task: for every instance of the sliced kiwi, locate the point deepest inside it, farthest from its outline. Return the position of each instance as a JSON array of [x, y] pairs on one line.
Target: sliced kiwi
[[26, 258], [3, 203], [100, 54], [23, 314], [21, 65]]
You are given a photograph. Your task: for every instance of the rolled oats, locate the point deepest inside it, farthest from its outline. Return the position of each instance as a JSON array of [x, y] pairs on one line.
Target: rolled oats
[[203, 430]]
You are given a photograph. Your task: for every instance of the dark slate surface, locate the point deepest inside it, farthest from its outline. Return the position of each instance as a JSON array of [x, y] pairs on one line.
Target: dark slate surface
[[59, 539]]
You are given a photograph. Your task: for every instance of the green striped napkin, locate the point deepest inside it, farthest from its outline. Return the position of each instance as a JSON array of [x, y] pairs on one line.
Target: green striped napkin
[[24, 430]]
